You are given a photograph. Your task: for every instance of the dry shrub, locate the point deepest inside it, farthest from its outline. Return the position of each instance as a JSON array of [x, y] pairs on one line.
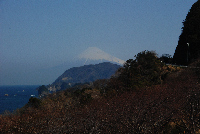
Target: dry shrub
[[169, 108]]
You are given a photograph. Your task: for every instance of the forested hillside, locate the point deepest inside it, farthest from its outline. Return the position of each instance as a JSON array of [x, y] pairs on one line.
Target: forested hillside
[[188, 49], [83, 74], [154, 98]]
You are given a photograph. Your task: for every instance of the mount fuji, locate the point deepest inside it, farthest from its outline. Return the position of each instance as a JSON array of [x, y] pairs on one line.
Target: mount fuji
[[94, 55], [91, 55]]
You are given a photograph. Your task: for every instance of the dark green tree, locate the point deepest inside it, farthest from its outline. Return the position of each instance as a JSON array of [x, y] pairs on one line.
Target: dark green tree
[[34, 102], [188, 48], [145, 70]]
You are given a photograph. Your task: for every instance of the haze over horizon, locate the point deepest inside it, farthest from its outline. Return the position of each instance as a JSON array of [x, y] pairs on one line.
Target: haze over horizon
[[36, 36]]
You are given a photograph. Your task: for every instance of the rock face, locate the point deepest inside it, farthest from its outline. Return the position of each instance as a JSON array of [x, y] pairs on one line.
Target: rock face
[[188, 48], [83, 74], [95, 54]]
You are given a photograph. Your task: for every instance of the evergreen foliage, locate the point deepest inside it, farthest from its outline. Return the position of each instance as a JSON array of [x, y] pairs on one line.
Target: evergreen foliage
[[145, 70], [188, 48], [34, 102], [83, 74]]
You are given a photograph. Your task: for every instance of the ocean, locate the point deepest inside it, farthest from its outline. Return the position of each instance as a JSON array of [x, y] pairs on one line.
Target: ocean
[[14, 97]]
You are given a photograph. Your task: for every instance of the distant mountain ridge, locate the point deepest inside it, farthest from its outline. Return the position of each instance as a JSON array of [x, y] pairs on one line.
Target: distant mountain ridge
[[91, 55], [96, 54], [83, 74]]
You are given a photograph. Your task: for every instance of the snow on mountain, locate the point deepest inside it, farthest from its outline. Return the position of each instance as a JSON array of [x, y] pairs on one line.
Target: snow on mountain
[[94, 53]]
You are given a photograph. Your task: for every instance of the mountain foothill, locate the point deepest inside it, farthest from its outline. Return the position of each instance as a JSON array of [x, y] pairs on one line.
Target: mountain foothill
[[84, 74], [93, 64]]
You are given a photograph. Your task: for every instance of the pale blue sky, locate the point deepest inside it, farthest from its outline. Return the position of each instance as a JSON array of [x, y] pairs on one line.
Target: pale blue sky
[[35, 34]]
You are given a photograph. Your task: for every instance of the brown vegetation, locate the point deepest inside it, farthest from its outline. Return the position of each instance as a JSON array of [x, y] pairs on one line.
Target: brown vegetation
[[171, 107]]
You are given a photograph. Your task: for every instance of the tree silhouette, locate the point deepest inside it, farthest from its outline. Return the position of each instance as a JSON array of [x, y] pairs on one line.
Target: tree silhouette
[[188, 48], [145, 70]]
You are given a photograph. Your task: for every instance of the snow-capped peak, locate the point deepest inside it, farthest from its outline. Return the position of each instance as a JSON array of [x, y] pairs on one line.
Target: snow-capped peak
[[94, 53]]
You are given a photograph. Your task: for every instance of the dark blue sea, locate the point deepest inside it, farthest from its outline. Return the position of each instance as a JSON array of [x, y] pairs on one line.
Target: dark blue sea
[[14, 97]]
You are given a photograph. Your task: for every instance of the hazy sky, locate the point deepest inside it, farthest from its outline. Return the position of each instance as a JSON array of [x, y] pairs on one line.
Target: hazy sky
[[35, 34]]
